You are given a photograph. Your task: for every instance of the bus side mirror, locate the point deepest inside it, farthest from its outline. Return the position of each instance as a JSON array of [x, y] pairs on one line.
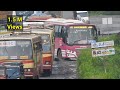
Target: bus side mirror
[[98, 32], [6, 76], [98, 29], [41, 49]]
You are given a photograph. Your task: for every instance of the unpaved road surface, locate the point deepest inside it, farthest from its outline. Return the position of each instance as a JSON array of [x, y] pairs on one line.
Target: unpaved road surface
[[63, 69]]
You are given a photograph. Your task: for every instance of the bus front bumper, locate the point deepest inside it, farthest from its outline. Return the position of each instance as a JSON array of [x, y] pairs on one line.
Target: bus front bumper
[[47, 66]]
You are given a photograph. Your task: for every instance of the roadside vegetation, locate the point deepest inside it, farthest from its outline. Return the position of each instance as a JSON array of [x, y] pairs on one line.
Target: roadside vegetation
[[107, 67]]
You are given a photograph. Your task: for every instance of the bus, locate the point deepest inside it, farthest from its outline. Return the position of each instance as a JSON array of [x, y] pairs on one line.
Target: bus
[[26, 49], [47, 46], [71, 37], [48, 49], [83, 15]]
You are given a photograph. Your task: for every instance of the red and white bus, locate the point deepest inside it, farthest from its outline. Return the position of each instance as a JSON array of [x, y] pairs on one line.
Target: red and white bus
[[72, 36]]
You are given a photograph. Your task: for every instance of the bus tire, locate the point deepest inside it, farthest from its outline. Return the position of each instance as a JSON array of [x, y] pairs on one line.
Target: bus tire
[[59, 54], [56, 59], [36, 77], [47, 73]]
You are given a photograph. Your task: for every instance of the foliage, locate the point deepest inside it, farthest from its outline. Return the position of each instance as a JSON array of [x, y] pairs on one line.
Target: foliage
[[107, 67]]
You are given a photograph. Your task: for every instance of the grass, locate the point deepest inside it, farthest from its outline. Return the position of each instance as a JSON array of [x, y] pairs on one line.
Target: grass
[[107, 67]]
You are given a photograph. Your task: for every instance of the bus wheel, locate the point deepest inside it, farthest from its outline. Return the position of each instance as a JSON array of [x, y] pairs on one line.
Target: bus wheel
[[37, 77], [56, 59], [59, 55]]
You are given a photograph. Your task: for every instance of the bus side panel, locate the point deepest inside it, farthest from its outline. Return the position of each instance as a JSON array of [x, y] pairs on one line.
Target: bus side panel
[[71, 51], [58, 43]]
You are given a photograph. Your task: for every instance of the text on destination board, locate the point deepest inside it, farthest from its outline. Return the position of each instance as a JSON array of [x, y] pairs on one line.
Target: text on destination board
[[81, 27]]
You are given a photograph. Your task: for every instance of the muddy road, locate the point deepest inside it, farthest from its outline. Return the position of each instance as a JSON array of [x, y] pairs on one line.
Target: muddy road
[[63, 69]]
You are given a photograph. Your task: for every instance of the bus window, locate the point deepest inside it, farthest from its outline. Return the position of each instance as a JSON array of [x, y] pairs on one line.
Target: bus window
[[62, 31], [59, 31], [94, 33], [46, 43], [16, 49], [81, 35], [56, 31], [64, 34]]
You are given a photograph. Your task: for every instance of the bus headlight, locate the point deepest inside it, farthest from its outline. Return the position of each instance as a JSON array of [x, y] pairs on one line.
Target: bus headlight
[[29, 70], [18, 78]]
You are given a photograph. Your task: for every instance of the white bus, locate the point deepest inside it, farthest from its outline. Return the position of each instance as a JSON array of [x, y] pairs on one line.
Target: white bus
[[83, 15]]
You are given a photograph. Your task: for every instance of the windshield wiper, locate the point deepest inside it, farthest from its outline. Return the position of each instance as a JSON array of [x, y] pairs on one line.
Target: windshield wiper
[[75, 41], [82, 42]]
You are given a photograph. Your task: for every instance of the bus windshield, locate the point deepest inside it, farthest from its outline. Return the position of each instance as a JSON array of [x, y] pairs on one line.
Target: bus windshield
[[19, 49], [83, 14], [81, 34], [46, 42]]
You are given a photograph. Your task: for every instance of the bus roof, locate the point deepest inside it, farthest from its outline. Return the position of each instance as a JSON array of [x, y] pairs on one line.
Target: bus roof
[[19, 37], [39, 18], [72, 24], [35, 31], [63, 22], [55, 19], [81, 11], [36, 20], [42, 31], [31, 22]]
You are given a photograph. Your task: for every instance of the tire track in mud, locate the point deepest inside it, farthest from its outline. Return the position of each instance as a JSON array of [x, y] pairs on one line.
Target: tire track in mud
[[63, 69]]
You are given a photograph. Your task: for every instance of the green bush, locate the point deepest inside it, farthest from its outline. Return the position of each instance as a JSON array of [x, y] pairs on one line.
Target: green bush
[[107, 67]]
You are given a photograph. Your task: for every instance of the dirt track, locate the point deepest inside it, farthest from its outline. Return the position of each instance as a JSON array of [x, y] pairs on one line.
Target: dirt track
[[63, 70]]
